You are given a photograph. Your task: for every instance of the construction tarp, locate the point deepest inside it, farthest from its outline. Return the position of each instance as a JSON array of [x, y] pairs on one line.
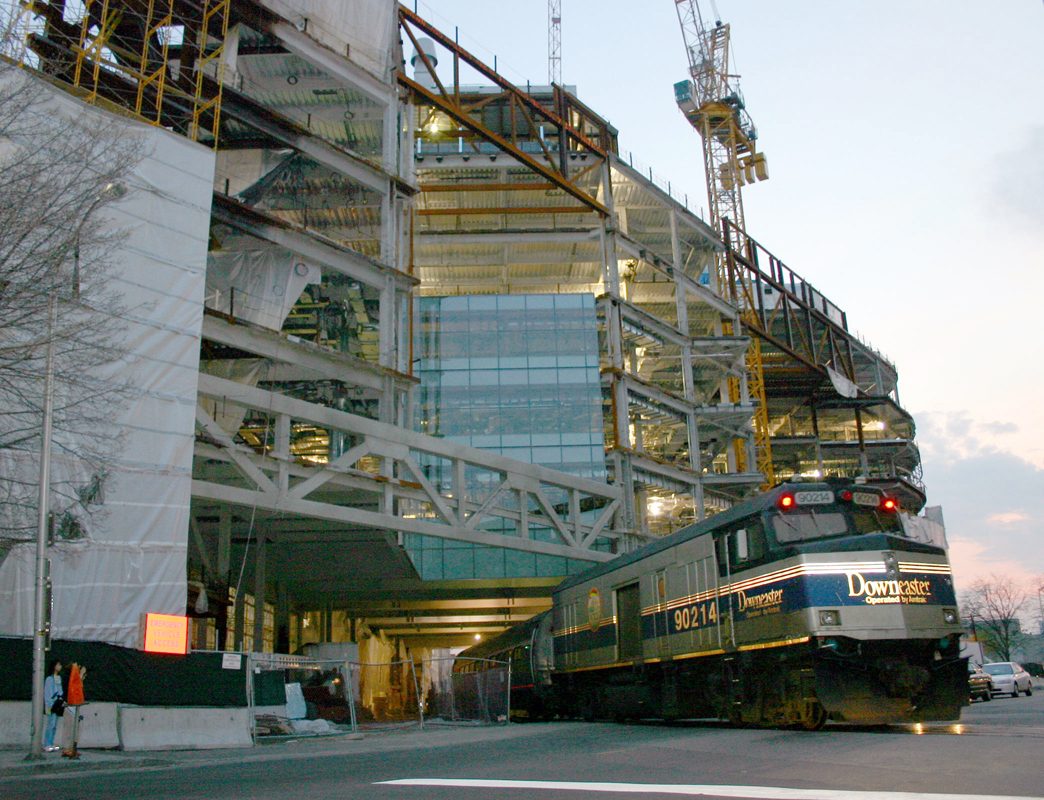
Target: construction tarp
[[362, 29], [133, 559], [124, 675], [259, 285]]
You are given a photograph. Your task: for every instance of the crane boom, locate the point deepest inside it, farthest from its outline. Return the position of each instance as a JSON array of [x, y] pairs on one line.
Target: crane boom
[[714, 106]]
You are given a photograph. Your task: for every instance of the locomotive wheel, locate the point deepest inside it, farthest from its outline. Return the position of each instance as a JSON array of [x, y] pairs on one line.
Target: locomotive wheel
[[815, 719]]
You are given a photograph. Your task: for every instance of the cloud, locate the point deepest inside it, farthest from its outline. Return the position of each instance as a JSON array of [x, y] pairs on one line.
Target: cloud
[[993, 505], [972, 561], [945, 436], [1007, 517], [992, 499], [997, 428]]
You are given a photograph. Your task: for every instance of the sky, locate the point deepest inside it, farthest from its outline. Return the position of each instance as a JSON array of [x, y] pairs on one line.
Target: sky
[[905, 143]]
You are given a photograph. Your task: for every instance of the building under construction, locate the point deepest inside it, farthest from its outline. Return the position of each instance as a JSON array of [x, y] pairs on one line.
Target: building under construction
[[439, 344]]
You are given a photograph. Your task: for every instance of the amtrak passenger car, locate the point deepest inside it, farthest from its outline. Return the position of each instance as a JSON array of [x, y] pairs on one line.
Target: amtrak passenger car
[[804, 604]]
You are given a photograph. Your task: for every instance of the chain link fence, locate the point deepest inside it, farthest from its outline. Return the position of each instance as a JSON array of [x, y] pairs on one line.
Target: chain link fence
[[331, 696], [469, 690]]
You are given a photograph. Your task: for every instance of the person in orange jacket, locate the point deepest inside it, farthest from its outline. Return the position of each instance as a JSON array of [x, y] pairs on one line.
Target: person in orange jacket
[[75, 698]]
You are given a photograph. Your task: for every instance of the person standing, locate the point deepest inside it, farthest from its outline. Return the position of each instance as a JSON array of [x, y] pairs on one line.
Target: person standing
[[54, 698], [75, 699]]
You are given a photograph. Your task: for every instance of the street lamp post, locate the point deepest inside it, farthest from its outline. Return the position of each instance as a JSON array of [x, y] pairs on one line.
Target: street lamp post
[[41, 619], [41, 615]]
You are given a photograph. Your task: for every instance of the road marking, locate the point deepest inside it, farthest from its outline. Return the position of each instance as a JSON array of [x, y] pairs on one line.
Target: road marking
[[698, 790]]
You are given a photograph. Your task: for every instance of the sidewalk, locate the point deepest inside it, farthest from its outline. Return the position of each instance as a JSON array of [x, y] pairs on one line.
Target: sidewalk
[[14, 765]]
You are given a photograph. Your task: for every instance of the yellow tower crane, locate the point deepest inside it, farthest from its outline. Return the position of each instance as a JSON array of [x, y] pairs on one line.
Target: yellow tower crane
[[712, 103]]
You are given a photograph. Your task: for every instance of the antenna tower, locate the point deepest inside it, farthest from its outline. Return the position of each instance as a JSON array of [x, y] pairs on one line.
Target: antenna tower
[[554, 41]]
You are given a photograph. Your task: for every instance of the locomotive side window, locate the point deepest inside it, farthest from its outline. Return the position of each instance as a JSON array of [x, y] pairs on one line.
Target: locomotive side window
[[800, 526], [744, 544]]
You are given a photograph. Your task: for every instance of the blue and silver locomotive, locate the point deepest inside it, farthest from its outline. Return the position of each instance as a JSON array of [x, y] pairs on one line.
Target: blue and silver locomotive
[[806, 603]]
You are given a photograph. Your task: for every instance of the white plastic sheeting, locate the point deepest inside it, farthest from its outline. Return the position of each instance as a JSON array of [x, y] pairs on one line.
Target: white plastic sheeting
[[134, 558], [259, 286], [842, 385], [361, 28], [929, 528]]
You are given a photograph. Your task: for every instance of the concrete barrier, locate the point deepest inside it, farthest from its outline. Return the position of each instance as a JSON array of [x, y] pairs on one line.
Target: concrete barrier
[[99, 726], [14, 723], [111, 726], [151, 728]]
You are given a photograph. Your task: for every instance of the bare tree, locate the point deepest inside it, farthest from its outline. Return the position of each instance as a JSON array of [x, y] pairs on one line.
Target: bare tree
[[58, 174], [992, 606], [1039, 588]]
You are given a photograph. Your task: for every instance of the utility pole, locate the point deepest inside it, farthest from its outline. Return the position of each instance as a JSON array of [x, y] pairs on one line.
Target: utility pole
[[41, 610], [41, 615]]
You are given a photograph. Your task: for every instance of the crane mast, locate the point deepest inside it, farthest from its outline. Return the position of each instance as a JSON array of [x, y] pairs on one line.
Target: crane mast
[[714, 106]]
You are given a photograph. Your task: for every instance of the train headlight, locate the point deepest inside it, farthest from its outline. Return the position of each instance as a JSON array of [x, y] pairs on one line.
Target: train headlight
[[950, 616], [830, 617]]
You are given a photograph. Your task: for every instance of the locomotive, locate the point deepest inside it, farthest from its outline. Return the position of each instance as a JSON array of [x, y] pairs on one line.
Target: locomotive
[[806, 603]]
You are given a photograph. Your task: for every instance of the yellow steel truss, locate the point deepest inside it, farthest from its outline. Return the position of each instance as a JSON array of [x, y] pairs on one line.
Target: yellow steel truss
[[99, 47], [214, 27], [154, 74]]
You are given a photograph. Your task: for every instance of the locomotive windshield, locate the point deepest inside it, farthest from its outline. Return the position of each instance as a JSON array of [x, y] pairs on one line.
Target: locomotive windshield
[[801, 526], [869, 520], [825, 520]]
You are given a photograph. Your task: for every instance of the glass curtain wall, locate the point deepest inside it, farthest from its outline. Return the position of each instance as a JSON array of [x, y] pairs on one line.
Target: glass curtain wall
[[517, 375]]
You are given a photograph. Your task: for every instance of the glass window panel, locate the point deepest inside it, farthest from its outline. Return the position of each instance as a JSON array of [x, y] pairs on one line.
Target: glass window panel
[[540, 301], [568, 300], [572, 376], [455, 378], [482, 303], [547, 455], [489, 563]]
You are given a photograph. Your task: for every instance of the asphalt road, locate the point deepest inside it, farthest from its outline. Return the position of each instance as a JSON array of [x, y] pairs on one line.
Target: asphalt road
[[997, 750]]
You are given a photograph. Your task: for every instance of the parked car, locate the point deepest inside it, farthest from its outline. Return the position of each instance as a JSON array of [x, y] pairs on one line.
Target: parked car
[[1009, 678], [980, 685], [1034, 668]]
